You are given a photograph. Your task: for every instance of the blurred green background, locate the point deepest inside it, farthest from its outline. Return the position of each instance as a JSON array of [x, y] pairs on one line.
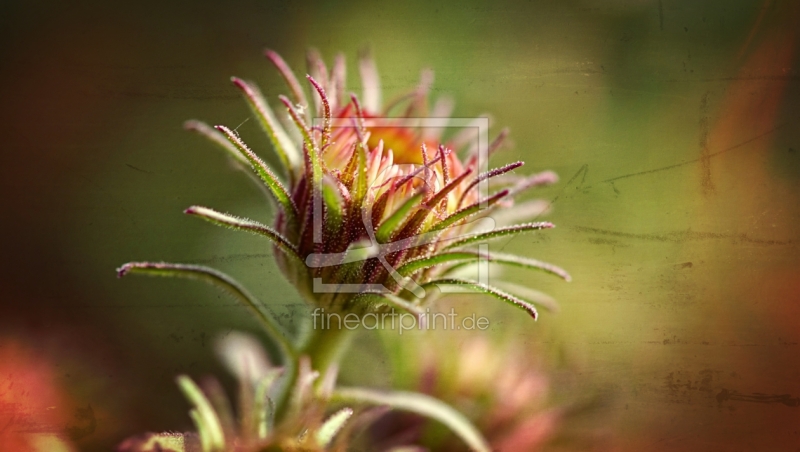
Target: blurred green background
[[673, 126]]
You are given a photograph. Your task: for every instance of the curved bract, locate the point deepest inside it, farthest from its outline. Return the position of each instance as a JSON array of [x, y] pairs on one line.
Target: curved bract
[[372, 212], [361, 195]]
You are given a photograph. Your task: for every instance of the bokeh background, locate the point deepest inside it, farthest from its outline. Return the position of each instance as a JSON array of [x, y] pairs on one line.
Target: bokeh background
[[673, 126]]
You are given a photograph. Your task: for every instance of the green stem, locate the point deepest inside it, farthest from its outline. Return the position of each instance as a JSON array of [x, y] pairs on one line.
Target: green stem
[[327, 345]]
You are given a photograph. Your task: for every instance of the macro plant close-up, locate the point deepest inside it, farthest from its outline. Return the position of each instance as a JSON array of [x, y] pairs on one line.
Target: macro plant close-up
[[521, 225], [371, 211]]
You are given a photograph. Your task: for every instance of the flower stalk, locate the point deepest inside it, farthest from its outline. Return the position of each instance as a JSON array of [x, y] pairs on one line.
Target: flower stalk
[[371, 217]]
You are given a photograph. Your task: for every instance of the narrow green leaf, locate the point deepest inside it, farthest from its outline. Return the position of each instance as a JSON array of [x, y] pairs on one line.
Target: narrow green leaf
[[207, 419], [370, 81], [206, 444], [338, 81], [461, 258], [415, 221], [391, 300], [284, 146], [243, 224], [215, 137], [360, 188], [491, 173], [301, 124], [359, 114], [489, 290], [332, 426], [470, 210], [219, 139], [388, 227], [223, 281], [425, 167], [500, 232], [420, 404], [276, 187], [245, 358], [422, 263], [264, 408], [531, 264], [536, 297], [405, 305], [308, 139], [441, 194], [521, 212], [334, 203], [535, 180], [444, 152], [302, 387], [317, 69], [326, 113], [228, 284], [222, 406], [288, 75], [495, 145]]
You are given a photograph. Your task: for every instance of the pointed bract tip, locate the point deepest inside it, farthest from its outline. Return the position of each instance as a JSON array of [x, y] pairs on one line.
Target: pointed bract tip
[[191, 124], [285, 101], [124, 269], [316, 85], [544, 178]]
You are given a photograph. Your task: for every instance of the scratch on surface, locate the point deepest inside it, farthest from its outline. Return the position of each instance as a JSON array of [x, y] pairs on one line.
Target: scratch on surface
[[786, 399], [113, 200], [689, 162], [137, 169], [753, 78], [583, 170], [684, 236], [241, 124], [755, 29], [706, 184]]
